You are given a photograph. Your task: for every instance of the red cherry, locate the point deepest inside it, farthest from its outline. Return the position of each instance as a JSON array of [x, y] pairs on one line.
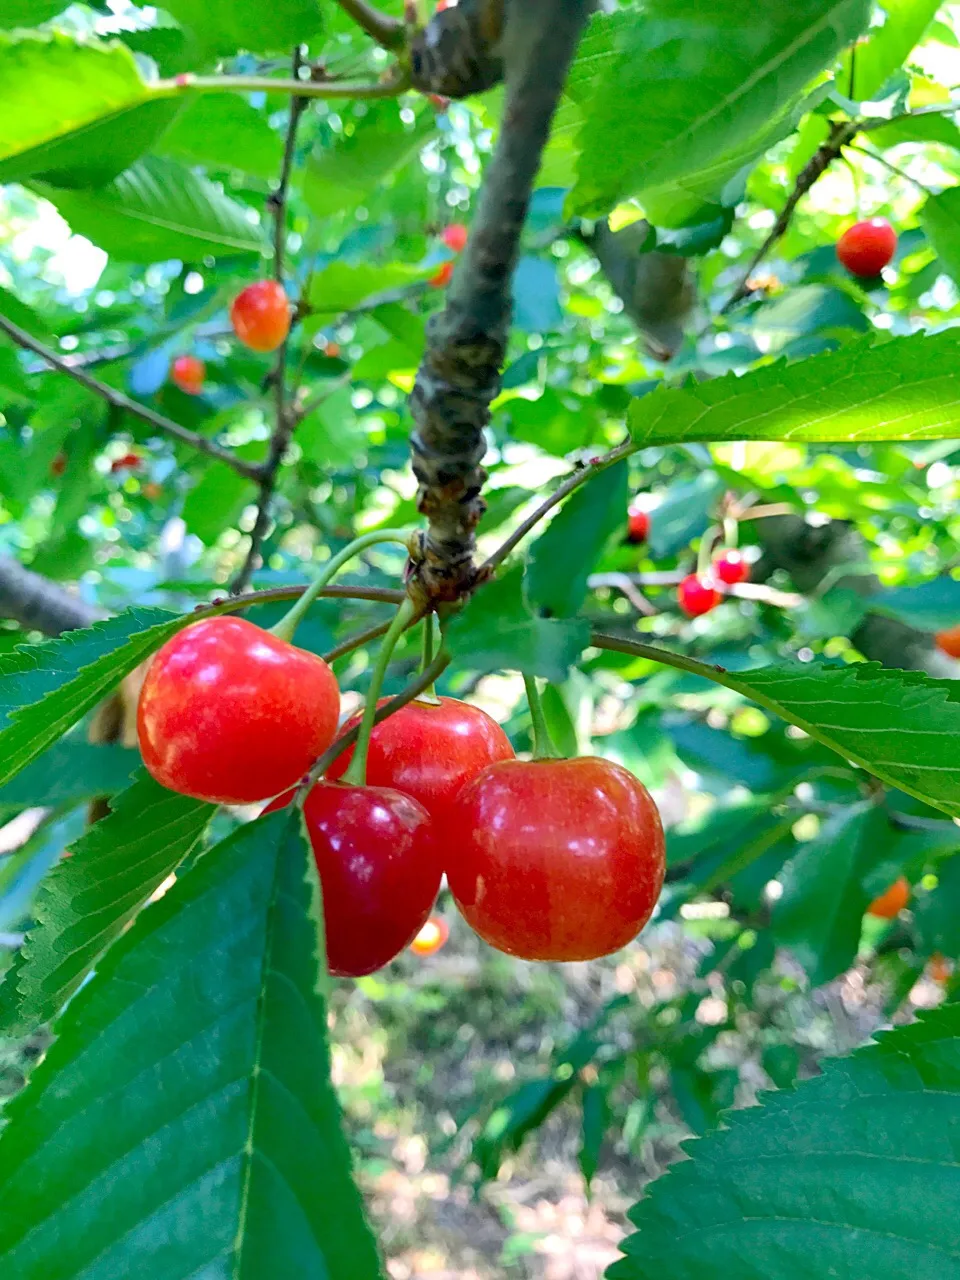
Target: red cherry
[[697, 595], [229, 713], [332, 350], [431, 937], [443, 276], [379, 871], [59, 465], [554, 859], [866, 247], [430, 752], [455, 237], [260, 315], [188, 373], [892, 901], [638, 526], [731, 568], [128, 462], [948, 641]]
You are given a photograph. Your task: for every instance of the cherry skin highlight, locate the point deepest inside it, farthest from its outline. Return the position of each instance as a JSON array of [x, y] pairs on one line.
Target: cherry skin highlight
[[430, 752], [891, 902], [866, 247], [731, 568], [638, 526], [455, 237], [260, 315], [948, 642], [230, 714], [379, 871], [697, 595], [188, 373], [554, 859]]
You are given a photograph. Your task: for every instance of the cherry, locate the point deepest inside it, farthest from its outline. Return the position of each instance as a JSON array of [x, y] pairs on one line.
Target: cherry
[[455, 237], [152, 490], [430, 751], [638, 526], [443, 276], [554, 859], [379, 871], [188, 373], [731, 568], [949, 641], [892, 901], [59, 465], [866, 247], [940, 968], [232, 714], [260, 315], [697, 595], [431, 937], [128, 462], [332, 350]]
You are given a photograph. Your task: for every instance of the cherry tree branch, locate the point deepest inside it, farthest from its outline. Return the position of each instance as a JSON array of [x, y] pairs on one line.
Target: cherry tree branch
[[39, 604], [119, 401], [385, 30], [285, 419], [392, 84], [466, 342]]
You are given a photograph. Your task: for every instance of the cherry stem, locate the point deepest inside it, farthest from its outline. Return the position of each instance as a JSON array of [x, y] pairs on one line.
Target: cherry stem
[[356, 774], [286, 627], [413, 691], [705, 552], [543, 748], [429, 694], [731, 532]]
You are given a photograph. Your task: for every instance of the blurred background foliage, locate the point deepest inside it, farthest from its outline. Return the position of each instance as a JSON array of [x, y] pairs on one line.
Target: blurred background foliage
[[487, 1096]]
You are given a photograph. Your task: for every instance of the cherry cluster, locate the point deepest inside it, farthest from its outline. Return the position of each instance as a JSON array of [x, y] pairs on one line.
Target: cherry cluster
[[547, 859], [260, 316], [699, 592]]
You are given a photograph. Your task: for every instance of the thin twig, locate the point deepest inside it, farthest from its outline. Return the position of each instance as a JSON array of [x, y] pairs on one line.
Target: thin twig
[[573, 481], [393, 83], [356, 641], [901, 173], [385, 30], [623, 582], [39, 604], [119, 401], [284, 421], [840, 135]]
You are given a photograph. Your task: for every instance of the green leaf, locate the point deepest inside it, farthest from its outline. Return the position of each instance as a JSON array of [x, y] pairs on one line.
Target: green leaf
[[341, 176], [885, 48], [709, 76], [157, 209], [68, 773], [496, 631], [226, 1156], [94, 894], [849, 1175], [820, 913], [593, 1130], [563, 556], [75, 111], [902, 389], [46, 688], [341, 286], [936, 912], [940, 219], [28, 13], [901, 726], [684, 514], [224, 26], [224, 131]]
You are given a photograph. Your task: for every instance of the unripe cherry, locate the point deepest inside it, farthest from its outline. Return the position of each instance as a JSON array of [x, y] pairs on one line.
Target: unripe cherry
[[188, 373]]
